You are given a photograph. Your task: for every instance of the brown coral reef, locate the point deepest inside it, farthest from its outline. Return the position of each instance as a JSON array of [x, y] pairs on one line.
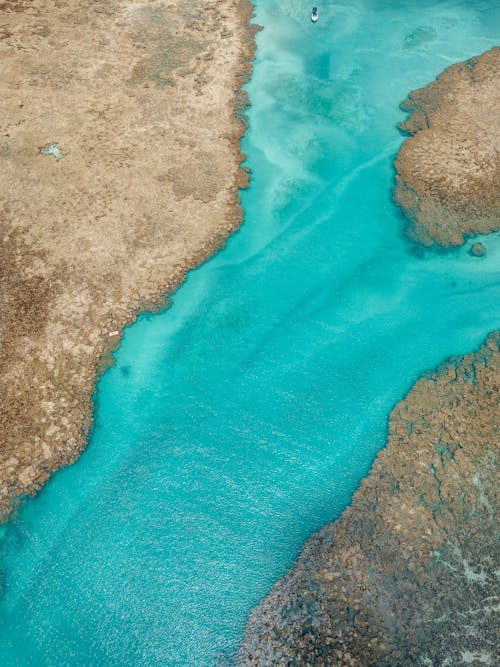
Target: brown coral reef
[[407, 575], [119, 168], [448, 172]]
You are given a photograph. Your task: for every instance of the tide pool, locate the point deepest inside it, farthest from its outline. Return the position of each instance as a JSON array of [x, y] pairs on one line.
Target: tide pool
[[242, 418]]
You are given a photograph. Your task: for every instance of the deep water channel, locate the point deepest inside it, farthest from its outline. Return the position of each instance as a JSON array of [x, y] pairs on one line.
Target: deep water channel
[[242, 419]]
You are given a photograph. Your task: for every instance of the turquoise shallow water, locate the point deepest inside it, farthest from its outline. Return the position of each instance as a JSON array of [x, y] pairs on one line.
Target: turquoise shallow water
[[243, 418]]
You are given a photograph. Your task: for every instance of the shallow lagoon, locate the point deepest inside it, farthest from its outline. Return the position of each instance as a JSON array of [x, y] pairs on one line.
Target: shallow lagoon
[[242, 419]]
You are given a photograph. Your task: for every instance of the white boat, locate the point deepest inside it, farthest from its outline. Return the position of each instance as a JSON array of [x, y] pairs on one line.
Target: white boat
[[314, 14]]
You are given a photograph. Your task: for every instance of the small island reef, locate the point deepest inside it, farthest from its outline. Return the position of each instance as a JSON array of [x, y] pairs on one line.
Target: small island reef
[[448, 171]]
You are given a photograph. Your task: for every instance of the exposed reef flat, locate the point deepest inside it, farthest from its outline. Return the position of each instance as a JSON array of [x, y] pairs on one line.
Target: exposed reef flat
[[448, 172], [407, 575], [119, 169]]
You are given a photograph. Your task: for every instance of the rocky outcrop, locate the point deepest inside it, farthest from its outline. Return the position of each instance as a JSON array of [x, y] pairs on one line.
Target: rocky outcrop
[[448, 171], [407, 575]]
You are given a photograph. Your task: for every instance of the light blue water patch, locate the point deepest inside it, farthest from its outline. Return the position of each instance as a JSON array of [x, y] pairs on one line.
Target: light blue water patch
[[52, 149], [243, 418]]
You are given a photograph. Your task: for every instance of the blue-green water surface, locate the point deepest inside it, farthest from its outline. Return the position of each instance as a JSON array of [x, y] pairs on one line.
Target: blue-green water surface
[[243, 418]]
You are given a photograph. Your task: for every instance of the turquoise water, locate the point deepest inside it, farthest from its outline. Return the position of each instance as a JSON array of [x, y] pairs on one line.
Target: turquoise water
[[243, 418]]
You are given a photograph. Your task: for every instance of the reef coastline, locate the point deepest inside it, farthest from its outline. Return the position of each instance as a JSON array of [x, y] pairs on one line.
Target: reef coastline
[[120, 167], [408, 574], [448, 171]]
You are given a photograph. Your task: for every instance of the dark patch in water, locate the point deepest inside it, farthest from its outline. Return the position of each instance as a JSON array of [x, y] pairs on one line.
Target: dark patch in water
[[419, 37]]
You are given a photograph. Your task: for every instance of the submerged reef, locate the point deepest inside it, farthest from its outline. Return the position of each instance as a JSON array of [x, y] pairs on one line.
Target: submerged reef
[[448, 171], [138, 103], [407, 575]]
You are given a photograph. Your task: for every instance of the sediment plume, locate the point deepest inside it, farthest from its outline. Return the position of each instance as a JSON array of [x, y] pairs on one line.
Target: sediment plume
[[120, 165]]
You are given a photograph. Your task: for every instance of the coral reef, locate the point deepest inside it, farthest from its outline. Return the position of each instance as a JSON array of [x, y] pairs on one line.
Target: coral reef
[[120, 163], [448, 172], [408, 574]]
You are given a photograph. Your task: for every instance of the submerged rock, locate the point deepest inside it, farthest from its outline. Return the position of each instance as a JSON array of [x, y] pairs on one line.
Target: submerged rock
[[406, 576], [448, 172], [478, 250]]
